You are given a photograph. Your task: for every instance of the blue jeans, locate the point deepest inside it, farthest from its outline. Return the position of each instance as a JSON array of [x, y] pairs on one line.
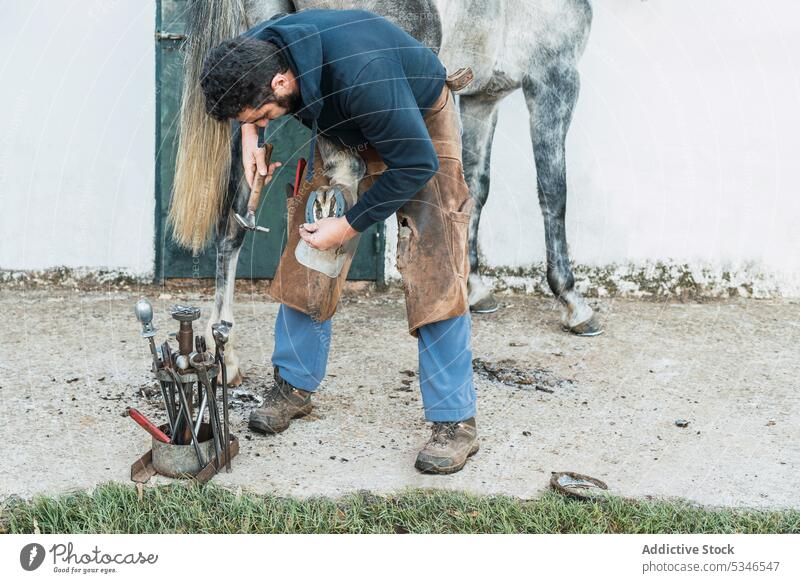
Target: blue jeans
[[445, 361]]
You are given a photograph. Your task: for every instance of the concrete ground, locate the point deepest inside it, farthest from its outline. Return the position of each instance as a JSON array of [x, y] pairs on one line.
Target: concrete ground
[[71, 361]]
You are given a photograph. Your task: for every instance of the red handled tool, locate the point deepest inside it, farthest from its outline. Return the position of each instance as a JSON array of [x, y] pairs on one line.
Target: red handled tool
[[147, 425], [298, 175]]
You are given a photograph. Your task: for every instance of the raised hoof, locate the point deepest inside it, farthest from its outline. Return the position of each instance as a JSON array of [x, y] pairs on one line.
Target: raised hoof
[[485, 305], [590, 327]]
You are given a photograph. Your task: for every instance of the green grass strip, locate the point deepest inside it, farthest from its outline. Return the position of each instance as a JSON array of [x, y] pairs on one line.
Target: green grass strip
[[188, 508]]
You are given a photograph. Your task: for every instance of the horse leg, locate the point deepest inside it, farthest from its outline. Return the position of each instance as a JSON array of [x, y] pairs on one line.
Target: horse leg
[[341, 165], [229, 240], [479, 119], [551, 95], [228, 247]]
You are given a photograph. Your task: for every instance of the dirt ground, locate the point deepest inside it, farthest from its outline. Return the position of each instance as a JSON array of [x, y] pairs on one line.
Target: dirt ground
[[607, 406]]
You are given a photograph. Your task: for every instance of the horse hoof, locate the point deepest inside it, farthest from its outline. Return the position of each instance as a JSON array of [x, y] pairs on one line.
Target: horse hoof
[[590, 327], [485, 305], [236, 380]]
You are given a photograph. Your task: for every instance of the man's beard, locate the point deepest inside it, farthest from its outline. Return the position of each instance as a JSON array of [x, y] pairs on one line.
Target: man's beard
[[291, 103]]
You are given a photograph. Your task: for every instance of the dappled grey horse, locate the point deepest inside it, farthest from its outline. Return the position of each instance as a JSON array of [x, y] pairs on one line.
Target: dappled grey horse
[[532, 44]]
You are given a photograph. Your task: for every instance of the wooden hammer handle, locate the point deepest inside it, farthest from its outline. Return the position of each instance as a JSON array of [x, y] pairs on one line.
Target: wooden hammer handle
[[258, 182]]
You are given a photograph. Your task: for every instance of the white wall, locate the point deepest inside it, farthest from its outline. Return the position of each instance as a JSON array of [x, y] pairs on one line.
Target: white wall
[[77, 134], [682, 148], [684, 144]]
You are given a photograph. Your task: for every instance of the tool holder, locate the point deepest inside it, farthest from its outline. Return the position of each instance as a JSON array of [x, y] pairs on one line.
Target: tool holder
[[188, 381]]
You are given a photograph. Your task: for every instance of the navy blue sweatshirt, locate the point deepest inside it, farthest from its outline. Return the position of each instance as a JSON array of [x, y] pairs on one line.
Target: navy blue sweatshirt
[[364, 80]]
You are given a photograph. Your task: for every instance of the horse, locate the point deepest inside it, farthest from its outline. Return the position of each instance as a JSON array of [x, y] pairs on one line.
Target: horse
[[549, 37]]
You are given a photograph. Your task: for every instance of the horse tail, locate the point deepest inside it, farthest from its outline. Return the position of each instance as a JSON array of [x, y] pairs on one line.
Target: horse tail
[[202, 167]]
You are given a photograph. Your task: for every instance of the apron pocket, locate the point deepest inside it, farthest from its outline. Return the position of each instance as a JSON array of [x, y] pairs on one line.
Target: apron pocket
[[459, 235]]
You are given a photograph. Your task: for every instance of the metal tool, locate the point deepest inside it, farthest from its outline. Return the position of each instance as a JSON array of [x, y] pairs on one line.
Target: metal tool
[[184, 425], [199, 421], [199, 363], [185, 315], [144, 313], [182, 362], [200, 346], [249, 220], [148, 425], [221, 332], [169, 389], [187, 415]]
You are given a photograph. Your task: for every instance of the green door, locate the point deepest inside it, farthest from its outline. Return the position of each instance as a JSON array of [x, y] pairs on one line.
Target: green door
[[261, 251]]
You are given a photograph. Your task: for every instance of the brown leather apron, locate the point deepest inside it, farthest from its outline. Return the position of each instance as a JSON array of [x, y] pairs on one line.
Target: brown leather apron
[[432, 232]]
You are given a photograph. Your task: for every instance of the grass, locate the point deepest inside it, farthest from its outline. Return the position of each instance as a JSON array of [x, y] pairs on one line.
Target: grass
[[179, 508]]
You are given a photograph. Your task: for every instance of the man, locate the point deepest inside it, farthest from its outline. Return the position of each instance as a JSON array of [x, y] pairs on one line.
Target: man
[[362, 82]]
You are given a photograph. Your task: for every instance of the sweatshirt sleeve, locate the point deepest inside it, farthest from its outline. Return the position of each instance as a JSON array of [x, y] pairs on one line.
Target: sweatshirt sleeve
[[381, 102]]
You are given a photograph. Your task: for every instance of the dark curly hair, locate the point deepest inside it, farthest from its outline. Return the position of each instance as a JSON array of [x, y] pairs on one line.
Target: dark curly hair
[[238, 74]]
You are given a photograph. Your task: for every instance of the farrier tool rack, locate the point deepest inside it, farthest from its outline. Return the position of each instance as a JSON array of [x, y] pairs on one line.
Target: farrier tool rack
[[188, 381]]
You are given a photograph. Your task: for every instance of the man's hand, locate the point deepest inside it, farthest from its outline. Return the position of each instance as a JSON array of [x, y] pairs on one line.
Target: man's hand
[[327, 233], [253, 158]]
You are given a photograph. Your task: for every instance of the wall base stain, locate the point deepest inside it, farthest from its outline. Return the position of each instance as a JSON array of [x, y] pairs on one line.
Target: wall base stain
[[654, 280], [77, 278], [651, 280]]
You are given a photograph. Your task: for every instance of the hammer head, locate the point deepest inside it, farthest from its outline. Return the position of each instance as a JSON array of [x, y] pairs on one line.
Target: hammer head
[[249, 223]]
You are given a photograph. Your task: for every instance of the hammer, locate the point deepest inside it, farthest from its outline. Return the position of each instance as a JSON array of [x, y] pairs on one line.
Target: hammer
[[249, 221]]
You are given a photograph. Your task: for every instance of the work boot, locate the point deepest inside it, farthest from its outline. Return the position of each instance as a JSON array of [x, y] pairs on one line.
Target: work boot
[[282, 403], [449, 447]]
